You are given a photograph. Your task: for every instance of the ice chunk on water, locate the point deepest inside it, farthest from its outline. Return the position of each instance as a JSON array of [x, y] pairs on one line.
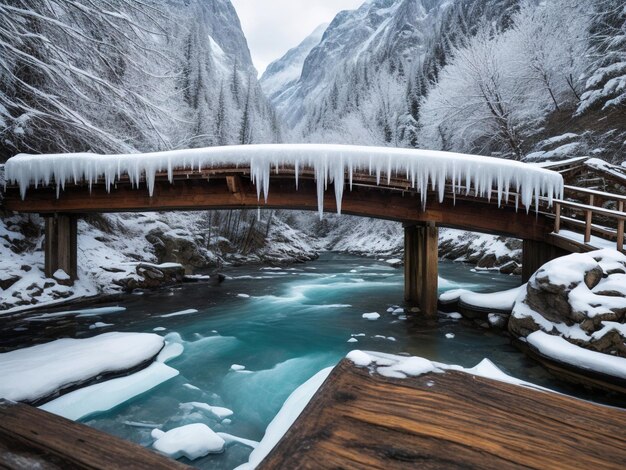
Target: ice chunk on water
[[219, 411], [450, 335], [230, 439], [371, 316], [170, 351], [37, 371], [107, 395], [237, 367], [179, 314], [353, 340], [192, 441], [99, 324]]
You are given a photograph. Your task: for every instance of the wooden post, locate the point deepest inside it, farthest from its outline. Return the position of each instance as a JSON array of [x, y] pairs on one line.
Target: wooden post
[[421, 266], [61, 247], [50, 246], [588, 220], [535, 254], [620, 228], [557, 220]]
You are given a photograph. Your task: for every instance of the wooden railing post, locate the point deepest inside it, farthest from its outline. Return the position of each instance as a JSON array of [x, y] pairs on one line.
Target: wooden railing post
[[557, 220], [588, 219], [620, 228]]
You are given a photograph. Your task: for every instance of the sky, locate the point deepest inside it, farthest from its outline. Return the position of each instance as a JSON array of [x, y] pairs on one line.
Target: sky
[[272, 27]]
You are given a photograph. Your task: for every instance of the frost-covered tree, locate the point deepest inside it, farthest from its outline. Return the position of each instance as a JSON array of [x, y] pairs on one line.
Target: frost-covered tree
[[548, 41], [74, 75], [476, 106], [606, 86]]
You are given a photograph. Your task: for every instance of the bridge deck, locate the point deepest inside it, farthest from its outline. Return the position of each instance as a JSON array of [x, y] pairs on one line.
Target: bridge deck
[[451, 420]]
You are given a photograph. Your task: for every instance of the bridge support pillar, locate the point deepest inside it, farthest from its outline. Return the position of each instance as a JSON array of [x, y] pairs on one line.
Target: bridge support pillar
[[535, 254], [60, 245], [421, 266]]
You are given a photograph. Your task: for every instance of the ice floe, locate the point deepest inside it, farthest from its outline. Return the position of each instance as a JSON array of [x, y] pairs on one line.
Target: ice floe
[[35, 372], [191, 441]]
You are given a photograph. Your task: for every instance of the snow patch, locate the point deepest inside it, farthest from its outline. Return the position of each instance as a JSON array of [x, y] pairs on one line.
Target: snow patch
[[37, 371], [191, 441]]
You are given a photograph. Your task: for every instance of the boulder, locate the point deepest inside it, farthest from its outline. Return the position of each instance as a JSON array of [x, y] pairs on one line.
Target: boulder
[[151, 276], [581, 297], [169, 248]]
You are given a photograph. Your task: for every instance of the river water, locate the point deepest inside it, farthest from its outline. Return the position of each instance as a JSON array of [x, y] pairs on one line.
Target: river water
[[284, 325]]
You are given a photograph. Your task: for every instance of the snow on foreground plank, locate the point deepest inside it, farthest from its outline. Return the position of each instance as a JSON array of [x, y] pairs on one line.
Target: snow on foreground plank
[[421, 168], [35, 372]]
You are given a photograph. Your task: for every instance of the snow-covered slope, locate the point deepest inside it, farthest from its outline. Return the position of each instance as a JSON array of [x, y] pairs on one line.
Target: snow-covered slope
[[375, 32], [283, 73]]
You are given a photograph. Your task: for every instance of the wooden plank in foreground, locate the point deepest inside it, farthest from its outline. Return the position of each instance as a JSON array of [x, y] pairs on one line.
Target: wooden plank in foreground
[[32, 438], [447, 421]]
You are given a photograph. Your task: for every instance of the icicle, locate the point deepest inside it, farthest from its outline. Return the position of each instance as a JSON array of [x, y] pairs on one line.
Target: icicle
[[338, 178], [422, 169]]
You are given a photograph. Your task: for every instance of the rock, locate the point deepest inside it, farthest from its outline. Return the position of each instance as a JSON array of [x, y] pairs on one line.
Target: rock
[[509, 268], [8, 281], [497, 320], [593, 277], [577, 297], [171, 249], [488, 261]]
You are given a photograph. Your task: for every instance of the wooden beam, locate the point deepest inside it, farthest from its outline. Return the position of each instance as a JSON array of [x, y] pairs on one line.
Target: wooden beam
[[32, 438], [196, 194]]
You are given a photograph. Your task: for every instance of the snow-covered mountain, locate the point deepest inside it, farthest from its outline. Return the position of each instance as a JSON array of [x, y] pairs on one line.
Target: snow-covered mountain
[[224, 28], [378, 31], [282, 74]]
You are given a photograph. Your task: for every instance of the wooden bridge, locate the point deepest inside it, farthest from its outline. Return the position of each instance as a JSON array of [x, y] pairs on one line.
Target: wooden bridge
[[548, 231]]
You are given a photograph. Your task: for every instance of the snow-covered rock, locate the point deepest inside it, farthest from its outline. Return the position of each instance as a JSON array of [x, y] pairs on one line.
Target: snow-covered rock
[[579, 297], [34, 373], [191, 441]]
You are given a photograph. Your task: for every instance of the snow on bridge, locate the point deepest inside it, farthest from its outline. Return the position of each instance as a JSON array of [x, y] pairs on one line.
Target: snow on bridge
[[330, 163]]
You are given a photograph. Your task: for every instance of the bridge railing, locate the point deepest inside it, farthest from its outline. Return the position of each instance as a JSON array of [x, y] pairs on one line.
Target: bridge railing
[[609, 222]]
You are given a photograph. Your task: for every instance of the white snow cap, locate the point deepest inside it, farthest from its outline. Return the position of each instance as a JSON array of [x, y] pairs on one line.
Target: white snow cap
[[421, 168]]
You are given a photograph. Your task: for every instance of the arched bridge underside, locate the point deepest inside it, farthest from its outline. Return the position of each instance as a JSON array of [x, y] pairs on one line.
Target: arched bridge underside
[[233, 189], [389, 201]]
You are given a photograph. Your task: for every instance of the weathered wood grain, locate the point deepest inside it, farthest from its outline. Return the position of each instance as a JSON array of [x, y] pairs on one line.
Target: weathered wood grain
[[197, 194], [447, 421], [32, 438]]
